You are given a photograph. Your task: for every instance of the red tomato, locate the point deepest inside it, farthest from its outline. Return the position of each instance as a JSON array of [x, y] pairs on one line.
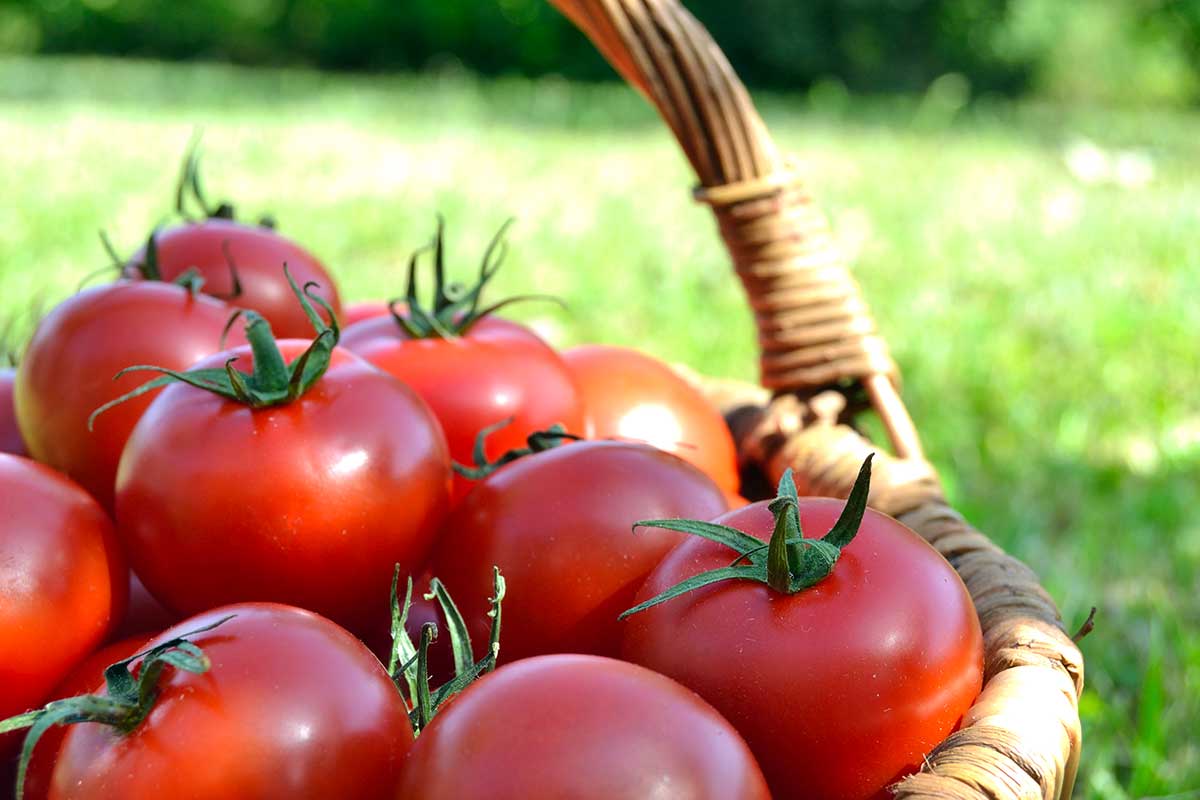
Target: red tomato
[[839, 688], [582, 727], [559, 526], [87, 677], [10, 434], [629, 395], [292, 706], [310, 503], [366, 309], [498, 370], [67, 370], [259, 255], [62, 580]]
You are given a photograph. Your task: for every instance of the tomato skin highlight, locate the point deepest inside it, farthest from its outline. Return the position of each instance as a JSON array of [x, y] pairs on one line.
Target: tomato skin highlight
[[259, 254], [559, 525], [840, 688], [292, 706], [10, 435], [67, 370], [86, 677], [62, 580], [498, 370], [580, 727], [630, 396], [311, 503]]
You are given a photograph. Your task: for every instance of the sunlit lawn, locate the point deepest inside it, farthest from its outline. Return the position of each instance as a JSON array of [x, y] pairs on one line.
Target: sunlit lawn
[[1036, 271]]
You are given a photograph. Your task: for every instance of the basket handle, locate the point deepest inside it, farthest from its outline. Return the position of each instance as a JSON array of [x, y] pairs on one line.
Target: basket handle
[[814, 328]]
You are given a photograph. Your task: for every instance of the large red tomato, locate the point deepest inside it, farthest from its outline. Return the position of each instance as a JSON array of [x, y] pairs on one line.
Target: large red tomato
[[258, 254], [310, 502], [496, 371], [292, 706], [629, 395], [558, 524], [62, 580], [10, 434], [580, 727], [838, 688], [86, 677], [67, 370]]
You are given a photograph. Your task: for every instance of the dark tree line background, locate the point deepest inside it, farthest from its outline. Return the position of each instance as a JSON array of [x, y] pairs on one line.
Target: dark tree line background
[[1112, 50]]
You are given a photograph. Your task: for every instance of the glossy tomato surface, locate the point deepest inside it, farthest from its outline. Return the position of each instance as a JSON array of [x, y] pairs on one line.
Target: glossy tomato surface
[[62, 580], [10, 434], [629, 395], [292, 707], [580, 727], [311, 503], [87, 677], [840, 688], [67, 370], [499, 370], [559, 526], [259, 254]]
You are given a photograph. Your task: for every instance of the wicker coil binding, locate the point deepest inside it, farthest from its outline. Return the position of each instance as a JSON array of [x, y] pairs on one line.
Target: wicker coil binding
[[820, 351]]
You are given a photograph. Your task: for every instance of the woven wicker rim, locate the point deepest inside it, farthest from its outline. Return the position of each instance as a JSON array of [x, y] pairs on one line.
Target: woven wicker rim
[[819, 346]]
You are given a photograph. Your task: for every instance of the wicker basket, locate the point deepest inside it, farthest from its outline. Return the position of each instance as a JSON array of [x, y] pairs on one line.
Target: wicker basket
[[822, 362]]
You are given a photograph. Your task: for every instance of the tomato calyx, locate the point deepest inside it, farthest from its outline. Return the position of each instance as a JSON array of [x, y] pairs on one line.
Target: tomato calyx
[[456, 307], [127, 701], [273, 381], [535, 442], [788, 563], [408, 664], [189, 189]]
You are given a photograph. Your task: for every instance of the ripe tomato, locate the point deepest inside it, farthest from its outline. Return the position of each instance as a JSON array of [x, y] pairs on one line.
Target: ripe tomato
[[497, 370], [582, 727], [839, 688], [291, 706], [558, 524], [311, 502], [85, 678], [366, 309], [62, 580], [10, 434], [68, 368], [258, 253], [629, 395]]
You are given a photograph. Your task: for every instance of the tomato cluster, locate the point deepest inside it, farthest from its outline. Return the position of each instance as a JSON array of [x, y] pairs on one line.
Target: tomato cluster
[[197, 558]]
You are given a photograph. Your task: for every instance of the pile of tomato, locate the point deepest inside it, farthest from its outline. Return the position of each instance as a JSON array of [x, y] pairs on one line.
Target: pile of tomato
[[256, 544]]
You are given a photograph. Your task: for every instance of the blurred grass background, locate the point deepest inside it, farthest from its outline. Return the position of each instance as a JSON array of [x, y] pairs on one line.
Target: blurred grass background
[[1034, 266]]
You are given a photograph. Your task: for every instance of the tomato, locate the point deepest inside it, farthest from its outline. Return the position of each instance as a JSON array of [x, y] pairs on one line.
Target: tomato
[[629, 395], [258, 253], [10, 434], [68, 368], [292, 706], [838, 688], [366, 309], [85, 678], [62, 580], [498, 370], [311, 502], [558, 524], [582, 727]]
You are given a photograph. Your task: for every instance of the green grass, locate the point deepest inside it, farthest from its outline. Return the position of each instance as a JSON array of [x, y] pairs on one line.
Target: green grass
[[1046, 326]]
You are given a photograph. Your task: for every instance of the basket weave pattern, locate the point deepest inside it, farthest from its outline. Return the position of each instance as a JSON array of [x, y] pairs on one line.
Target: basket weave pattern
[[819, 345]]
